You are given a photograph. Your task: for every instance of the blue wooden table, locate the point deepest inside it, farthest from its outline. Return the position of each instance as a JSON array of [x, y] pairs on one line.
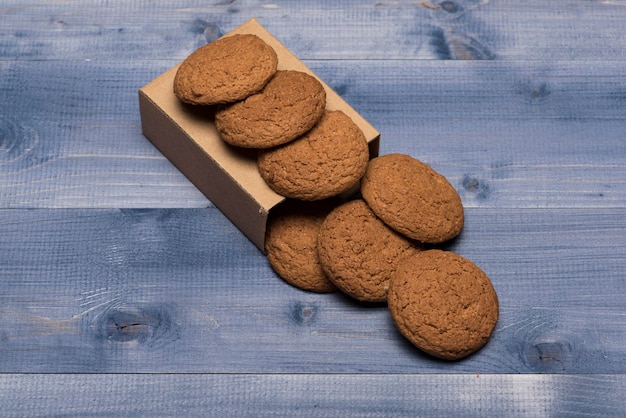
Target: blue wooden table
[[125, 292]]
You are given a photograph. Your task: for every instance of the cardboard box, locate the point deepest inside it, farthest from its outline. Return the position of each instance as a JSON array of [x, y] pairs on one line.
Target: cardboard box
[[228, 176]]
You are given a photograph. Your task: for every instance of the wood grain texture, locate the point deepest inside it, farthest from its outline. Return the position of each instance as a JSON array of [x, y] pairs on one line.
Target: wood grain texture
[[170, 310], [184, 291], [64, 144], [296, 395], [506, 134], [432, 29]]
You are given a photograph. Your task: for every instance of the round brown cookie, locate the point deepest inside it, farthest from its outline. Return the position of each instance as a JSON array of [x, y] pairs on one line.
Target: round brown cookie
[[443, 304], [412, 198], [226, 70], [291, 244], [326, 161], [289, 105], [359, 252]]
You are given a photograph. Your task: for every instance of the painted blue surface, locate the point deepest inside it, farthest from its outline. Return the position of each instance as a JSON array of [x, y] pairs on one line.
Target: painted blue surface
[[124, 292], [295, 395], [115, 290], [556, 141]]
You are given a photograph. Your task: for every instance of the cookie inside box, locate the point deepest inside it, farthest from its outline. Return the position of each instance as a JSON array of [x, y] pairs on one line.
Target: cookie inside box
[[227, 175]]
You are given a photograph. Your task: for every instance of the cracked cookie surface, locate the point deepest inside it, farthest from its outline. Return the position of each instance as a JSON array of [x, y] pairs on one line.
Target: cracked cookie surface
[[326, 161], [226, 70], [412, 198], [359, 252], [291, 244], [443, 304], [289, 105]]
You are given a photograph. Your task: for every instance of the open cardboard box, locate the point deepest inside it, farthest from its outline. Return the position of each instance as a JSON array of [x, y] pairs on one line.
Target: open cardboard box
[[228, 176]]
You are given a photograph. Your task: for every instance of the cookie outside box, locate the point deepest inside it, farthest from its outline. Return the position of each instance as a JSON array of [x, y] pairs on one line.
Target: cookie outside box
[[226, 175]]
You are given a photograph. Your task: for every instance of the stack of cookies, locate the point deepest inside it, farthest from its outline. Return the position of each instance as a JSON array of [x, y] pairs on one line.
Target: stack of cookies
[[385, 245], [280, 113], [370, 228]]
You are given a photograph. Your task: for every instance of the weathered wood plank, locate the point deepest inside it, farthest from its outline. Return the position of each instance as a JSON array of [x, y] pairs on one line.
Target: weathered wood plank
[[184, 291], [530, 131], [296, 395], [507, 134], [322, 29]]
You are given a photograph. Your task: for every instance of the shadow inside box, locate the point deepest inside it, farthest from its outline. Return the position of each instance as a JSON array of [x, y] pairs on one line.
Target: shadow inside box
[[206, 112]]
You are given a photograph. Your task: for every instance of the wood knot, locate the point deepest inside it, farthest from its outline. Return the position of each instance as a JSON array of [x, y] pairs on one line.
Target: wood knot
[[210, 30], [16, 141], [549, 353], [535, 92], [143, 324], [303, 313], [476, 186], [449, 6], [450, 44]]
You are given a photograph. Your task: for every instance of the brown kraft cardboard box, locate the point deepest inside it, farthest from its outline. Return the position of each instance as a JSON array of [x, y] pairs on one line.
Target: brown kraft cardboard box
[[228, 176]]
